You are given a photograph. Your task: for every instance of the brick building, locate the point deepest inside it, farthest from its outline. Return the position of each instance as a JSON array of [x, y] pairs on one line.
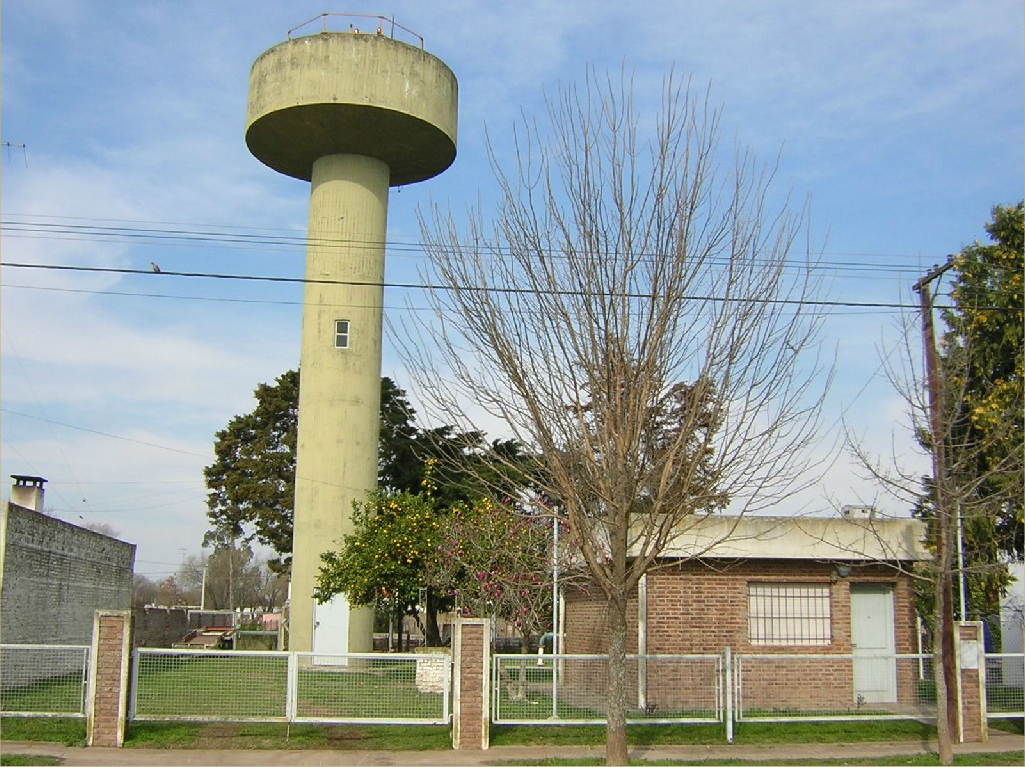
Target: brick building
[[809, 587]]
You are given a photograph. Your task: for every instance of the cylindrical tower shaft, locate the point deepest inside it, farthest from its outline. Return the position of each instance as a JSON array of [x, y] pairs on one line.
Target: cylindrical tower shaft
[[340, 383], [353, 114]]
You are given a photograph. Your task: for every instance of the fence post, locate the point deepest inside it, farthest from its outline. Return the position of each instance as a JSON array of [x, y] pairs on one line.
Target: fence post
[[107, 699], [970, 681], [728, 669], [133, 687], [291, 686], [471, 645]]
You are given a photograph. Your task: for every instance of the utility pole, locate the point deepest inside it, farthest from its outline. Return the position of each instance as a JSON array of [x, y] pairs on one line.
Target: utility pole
[[202, 591], [942, 521]]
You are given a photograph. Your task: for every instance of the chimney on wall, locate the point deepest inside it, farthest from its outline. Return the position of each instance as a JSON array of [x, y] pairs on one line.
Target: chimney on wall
[[28, 491], [858, 511]]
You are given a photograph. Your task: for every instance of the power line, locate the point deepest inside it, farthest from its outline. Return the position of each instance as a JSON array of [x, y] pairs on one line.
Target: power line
[[103, 433], [271, 302], [440, 287], [239, 236]]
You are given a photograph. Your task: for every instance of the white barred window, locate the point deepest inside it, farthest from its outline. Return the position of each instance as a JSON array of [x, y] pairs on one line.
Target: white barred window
[[788, 614]]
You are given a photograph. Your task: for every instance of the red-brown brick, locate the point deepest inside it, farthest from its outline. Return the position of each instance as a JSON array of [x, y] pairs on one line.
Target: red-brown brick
[[471, 643], [108, 680], [973, 716], [701, 607]]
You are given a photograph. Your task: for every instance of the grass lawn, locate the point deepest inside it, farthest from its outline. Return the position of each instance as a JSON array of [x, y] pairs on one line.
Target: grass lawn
[[69, 732], [196, 735], [63, 694], [29, 759], [715, 734], [999, 758], [283, 736], [253, 687]]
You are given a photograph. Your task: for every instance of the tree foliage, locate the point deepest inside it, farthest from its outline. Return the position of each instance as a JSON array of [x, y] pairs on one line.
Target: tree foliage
[[984, 356], [252, 480], [384, 561], [496, 560], [967, 414], [633, 314]]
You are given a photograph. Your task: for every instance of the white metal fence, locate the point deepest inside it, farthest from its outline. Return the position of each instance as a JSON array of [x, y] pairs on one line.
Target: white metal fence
[[43, 680], [823, 687], [1004, 683], [572, 689], [378, 688], [266, 686]]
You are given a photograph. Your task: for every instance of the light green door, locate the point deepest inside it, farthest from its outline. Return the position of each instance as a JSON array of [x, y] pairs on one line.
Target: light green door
[[875, 667]]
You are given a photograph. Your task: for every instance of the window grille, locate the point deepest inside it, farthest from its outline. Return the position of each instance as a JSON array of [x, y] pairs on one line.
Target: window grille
[[789, 614], [341, 334]]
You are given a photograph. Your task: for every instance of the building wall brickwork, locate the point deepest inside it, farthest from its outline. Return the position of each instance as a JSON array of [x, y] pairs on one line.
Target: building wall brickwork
[[701, 607], [471, 645], [56, 575], [973, 724]]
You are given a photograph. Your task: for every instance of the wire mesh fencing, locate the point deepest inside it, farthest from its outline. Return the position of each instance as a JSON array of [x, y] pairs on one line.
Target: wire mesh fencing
[[1005, 685], [807, 687], [267, 686], [200, 685], [409, 688], [43, 680], [573, 689]]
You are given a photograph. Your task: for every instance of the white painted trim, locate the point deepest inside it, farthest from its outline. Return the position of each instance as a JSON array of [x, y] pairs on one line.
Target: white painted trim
[[642, 641]]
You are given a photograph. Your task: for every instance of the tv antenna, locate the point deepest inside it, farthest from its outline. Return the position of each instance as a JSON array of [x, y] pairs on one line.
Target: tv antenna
[[16, 145]]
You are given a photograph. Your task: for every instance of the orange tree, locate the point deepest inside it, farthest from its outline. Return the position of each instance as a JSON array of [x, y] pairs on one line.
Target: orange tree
[[383, 562]]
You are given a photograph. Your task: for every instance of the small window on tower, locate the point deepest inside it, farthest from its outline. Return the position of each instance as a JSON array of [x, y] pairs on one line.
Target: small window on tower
[[341, 334]]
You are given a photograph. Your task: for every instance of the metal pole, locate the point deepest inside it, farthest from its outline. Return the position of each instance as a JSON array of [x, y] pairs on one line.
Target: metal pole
[[960, 565], [555, 616], [202, 591], [728, 713]]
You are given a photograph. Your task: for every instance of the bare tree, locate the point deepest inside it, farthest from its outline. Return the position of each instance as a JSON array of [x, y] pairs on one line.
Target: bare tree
[[103, 529], [632, 314], [956, 493]]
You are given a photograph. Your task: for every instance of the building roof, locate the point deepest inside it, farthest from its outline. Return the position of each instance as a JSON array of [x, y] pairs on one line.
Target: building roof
[[817, 538]]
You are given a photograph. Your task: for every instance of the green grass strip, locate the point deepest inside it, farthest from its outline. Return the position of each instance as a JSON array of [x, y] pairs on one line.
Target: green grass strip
[[29, 759], [970, 760], [767, 733], [67, 732]]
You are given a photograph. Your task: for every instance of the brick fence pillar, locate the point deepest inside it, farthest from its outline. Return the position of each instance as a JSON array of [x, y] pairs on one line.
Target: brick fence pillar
[[471, 646], [107, 699], [971, 682]]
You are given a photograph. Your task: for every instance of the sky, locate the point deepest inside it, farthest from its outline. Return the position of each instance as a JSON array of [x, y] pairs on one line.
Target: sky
[[901, 121]]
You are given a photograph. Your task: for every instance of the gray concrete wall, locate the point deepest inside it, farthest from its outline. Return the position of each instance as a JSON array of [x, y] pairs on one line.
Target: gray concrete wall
[[56, 575], [158, 626]]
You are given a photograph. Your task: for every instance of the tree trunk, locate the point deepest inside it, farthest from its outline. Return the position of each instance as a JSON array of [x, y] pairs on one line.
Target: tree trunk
[[615, 734], [520, 693], [939, 664], [432, 633]]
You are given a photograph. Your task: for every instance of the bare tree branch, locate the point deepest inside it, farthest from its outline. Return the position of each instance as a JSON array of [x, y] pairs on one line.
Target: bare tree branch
[[633, 312]]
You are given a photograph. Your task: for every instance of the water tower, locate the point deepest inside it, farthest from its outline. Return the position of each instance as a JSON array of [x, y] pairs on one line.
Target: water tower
[[352, 112]]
